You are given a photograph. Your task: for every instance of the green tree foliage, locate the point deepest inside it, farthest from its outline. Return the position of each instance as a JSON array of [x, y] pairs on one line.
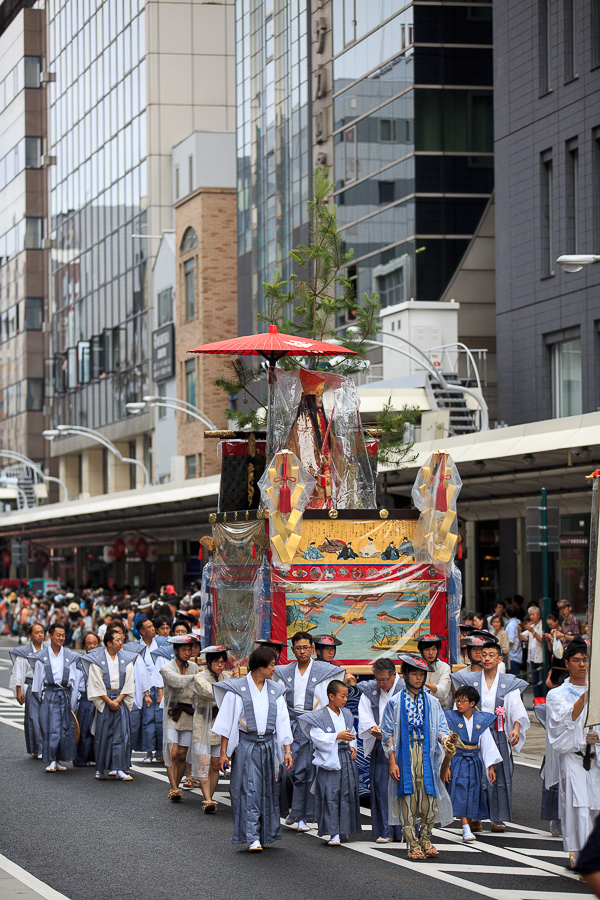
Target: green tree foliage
[[309, 305]]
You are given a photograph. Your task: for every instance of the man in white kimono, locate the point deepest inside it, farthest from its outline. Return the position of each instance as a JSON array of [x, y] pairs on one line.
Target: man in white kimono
[[305, 682], [253, 720], [111, 689], [56, 685], [574, 760]]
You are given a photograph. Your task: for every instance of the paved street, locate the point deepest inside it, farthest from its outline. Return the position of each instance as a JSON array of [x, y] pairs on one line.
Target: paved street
[[97, 841]]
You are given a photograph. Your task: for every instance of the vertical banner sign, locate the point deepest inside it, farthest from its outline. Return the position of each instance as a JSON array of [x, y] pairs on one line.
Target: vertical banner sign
[[593, 710]]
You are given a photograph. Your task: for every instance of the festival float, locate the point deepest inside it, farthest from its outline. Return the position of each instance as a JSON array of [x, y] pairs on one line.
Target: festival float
[[298, 542]]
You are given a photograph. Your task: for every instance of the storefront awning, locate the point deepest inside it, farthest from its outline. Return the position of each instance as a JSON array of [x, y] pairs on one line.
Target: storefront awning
[[501, 468], [165, 511]]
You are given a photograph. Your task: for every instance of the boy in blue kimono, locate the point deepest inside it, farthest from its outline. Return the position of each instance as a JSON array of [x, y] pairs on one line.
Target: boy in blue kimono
[[475, 750]]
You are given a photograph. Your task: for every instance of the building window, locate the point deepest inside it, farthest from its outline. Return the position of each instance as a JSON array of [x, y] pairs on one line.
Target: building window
[[572, 197], [570, 39], [83, 362], [190, 466], [190, 288], [34, 313], [190, 381], [566, 378], [545, 45], [386, 191], [390, 288], [350, 168], [191, 173], [189, 240], [35, 394], [33, 152], [33, 234], [162, 392], [547, 215], [165, 306], [97, 357], [177, 182], [32, 71], [388, 131]]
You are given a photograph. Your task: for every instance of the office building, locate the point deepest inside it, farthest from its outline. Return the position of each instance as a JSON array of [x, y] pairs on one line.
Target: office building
[[24, 161], [396, 100], [547, 143], [131, 81]]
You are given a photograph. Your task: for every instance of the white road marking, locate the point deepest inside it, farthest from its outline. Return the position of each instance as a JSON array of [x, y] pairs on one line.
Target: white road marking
[[440, 871], [44, 890], [530, 763], [14, 724]]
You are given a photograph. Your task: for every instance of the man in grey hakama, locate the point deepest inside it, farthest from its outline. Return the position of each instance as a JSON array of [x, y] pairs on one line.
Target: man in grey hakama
[[111, 688], [375, 695], [55, 684], [253, 720], [335, 788], [305, 683], [149, 734], [21, 680], [85, 711]]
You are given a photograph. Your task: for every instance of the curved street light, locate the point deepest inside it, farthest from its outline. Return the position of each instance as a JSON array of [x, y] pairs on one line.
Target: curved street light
[[171, 403], [448, 386], [574, 262], [20, 457], [82, 431]]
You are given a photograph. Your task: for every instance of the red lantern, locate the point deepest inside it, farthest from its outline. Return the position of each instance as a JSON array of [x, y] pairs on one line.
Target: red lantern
[[141, 548], [7, 558], [43, 559], [119, 548]]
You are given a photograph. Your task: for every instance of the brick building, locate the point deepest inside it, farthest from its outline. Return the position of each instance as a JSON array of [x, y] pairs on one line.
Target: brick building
[[205, 286]]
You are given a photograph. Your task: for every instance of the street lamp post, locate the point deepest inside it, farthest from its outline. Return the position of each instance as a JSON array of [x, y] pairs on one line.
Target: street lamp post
[[97, 436], [574, 262], [171, 403], [20, 457]]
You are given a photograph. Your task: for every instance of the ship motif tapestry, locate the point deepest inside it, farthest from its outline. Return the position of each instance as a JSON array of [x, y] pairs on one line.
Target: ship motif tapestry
[[357, 579]]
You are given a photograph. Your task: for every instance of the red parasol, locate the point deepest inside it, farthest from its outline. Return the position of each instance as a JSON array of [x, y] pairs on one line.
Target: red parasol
[[273, 345]]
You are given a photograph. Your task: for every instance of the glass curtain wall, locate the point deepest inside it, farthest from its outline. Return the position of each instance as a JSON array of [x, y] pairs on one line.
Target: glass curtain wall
[[413, 133], [273, 141], [97, 131]]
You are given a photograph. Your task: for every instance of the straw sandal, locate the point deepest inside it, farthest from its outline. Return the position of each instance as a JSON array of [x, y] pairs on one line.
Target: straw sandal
[[175, 796]]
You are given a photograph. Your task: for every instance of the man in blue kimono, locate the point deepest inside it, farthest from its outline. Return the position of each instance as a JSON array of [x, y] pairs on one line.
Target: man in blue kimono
[[306, 683], [55, 684], [415, 735]]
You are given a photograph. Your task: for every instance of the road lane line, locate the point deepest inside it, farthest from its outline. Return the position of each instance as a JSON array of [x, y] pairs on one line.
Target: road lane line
[[40, 887]]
